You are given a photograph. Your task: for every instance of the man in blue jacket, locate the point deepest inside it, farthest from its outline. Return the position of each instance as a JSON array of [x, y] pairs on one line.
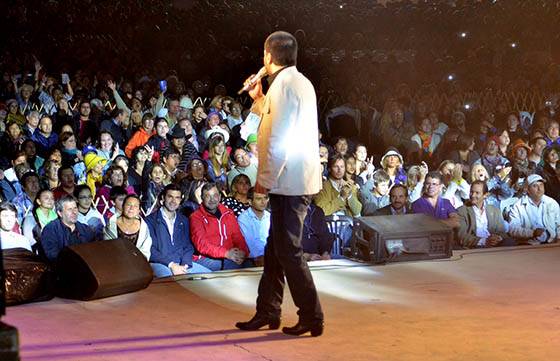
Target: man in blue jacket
[[65, 230], [172, 249]]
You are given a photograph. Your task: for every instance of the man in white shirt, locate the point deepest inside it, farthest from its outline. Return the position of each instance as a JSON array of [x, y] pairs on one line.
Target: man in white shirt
[[480, 225], [9, 238], [255, 224], [535, 218]]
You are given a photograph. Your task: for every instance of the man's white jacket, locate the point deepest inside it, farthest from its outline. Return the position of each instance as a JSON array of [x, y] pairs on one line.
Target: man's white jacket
[[288, 136], [520, 226]]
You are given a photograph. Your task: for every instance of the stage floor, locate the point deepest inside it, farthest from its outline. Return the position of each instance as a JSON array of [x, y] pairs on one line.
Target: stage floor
[[483, 305]]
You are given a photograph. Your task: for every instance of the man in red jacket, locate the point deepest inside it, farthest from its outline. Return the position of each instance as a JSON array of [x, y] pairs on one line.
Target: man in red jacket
[[216, 235]]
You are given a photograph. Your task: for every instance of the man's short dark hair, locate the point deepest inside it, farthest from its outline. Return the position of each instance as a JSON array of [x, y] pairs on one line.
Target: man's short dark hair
[[283, 48], [435, 175], [207, 187], [27, 176], [62, 169], [397, 186], [335, 158], [168, 188], [483, 184], [116, 192]]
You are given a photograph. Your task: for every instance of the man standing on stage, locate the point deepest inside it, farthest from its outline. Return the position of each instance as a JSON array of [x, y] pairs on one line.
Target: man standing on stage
[[290, 172]]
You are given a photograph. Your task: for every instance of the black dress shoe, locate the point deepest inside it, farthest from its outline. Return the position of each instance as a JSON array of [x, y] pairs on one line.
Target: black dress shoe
[[258, 322], [316, 329]]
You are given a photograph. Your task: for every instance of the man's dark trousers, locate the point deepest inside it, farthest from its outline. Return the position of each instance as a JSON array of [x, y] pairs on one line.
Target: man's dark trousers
[[284, 256]]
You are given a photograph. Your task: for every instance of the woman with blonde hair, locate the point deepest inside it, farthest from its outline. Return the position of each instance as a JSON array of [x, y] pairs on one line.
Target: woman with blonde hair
[[218, 161], [499, 188]]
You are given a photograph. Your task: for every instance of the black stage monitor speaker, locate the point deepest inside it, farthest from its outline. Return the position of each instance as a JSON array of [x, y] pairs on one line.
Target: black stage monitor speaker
[[101, 269]]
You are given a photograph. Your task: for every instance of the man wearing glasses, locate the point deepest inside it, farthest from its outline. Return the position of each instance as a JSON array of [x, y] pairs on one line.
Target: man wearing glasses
[[432, 204]]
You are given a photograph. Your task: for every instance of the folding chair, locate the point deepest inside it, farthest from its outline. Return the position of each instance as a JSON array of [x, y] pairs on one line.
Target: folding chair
[[341, 228]]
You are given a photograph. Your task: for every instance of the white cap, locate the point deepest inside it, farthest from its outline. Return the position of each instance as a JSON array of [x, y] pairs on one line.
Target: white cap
[[534, 178]]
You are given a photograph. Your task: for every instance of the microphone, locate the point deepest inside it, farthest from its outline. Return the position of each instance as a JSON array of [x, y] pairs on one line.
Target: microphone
[[253, 80]]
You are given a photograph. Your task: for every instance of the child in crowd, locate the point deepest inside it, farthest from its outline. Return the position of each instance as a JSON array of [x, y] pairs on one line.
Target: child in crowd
[[375, 193]]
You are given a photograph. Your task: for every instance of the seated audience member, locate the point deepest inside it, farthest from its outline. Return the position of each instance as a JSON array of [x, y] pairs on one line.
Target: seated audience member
[[338, 196], [9, 182], [433, 204], [88, 214], [238, 201], [398, 196], [49, 178], [23, 202], [158, 141], [456, 189], [172, 250], [242, 165], [324, 158], [44, 137], [535, 218], [375, 193], [499, 188], [170, 160], [480, 224], [537, 144], [255, 224], [426, 139], [218, 161], [340, 146], [94, 176], [552, 133], [115, 176], [364, 165], [130, 226], [491, 158], [191, 185], [392, 163], [350, 170], [116, 198], [67, 182], [8, 220], [550, 172], [42, 214], [142, 135], [156, 181], [65, 230], [138, 171], [215, 233], [317, 240], [464, 153], [251, 148], [415, 181]]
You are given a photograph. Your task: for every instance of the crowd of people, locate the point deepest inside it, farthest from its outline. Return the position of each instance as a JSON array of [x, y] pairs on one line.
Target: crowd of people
[[176, 177], [89, 154]]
